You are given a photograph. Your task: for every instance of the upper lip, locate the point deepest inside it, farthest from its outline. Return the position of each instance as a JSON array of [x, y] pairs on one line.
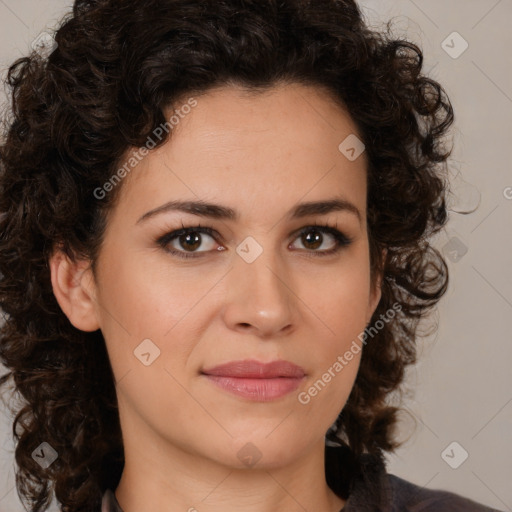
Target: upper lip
[[251, 369]]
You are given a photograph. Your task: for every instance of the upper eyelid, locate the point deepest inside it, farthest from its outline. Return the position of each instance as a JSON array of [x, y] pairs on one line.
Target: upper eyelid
[[208, 230]]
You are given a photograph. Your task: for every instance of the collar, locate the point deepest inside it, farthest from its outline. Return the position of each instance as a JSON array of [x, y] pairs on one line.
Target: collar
[[361, 481]]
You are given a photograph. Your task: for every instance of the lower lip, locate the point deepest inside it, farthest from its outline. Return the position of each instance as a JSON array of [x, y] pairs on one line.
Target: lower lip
[[259, 390]]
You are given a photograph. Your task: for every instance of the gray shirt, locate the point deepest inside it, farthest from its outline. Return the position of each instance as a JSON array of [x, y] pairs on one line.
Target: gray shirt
[[366, 486]]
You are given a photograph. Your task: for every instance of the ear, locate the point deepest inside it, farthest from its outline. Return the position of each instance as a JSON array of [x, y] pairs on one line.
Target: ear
[[73, 287], [376, 291]]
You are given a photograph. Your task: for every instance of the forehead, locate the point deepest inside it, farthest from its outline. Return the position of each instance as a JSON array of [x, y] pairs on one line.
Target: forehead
[[275, 146], [304, 110]]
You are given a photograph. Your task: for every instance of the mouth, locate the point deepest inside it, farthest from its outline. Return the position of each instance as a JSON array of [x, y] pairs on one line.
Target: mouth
[[256, 381]]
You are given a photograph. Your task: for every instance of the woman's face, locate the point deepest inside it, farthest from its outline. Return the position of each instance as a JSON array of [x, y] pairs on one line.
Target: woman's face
[[253, 288]]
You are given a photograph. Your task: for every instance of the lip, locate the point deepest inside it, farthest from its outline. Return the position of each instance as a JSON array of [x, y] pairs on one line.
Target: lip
[[252, 369], [256, 381]]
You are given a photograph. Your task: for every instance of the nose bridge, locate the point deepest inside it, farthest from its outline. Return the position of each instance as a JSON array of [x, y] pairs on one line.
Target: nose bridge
[[259, 289]]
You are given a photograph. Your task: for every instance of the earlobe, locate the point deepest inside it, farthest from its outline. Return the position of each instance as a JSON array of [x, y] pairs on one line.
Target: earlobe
[[73, 287]]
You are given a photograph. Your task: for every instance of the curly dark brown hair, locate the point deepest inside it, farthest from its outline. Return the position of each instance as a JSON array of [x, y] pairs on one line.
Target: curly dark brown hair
[[117, 68]]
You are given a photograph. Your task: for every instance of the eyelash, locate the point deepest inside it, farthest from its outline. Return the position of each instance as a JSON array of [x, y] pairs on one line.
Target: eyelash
[[341, 239]]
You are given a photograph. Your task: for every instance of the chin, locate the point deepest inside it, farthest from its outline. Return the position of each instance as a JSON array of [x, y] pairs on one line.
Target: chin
[[268, 450]]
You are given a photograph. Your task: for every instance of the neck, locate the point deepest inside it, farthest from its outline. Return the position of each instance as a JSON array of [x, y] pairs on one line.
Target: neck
[[169, 478]]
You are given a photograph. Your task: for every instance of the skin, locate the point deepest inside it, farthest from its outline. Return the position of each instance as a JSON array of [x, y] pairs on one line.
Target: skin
[[260, 155]]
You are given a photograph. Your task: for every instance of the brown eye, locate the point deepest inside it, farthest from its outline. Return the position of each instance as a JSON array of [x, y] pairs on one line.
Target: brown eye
[[185, 242], [313, 237], [190, 241]]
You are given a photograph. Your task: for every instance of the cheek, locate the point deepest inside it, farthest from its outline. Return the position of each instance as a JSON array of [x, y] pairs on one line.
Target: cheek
[[340, 299], [339, 305], [337, 351], [329, 386], [140, 302], [148, 299]]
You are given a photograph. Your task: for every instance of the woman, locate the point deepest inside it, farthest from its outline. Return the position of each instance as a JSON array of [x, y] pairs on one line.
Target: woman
[[214, 256]]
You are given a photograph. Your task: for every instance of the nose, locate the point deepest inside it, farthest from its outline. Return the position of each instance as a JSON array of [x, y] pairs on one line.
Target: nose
[[260, 297]]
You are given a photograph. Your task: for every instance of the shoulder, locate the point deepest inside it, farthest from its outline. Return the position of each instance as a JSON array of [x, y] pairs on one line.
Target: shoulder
[[407, 496], [367, 487]]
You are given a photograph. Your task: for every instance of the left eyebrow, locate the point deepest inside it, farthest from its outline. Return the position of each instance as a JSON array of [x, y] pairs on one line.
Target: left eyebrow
[[216, 211]]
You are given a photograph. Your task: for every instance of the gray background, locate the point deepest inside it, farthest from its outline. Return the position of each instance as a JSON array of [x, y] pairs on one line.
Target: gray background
[[460, 391]]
